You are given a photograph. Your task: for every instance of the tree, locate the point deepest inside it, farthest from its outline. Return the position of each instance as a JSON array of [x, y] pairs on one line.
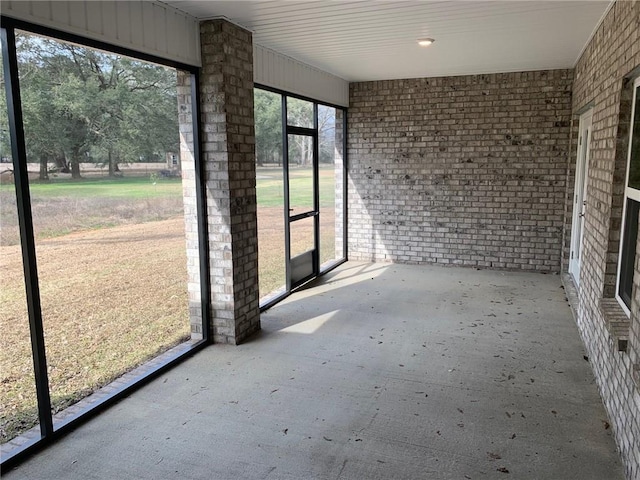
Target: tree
[[81, 103], [268, 127]]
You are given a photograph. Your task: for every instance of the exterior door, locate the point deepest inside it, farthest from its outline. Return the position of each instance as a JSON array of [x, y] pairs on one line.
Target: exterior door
[[303, 205], [580, 195]]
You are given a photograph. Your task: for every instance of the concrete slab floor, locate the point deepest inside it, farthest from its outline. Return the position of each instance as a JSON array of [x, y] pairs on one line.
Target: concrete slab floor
[[377, 371]]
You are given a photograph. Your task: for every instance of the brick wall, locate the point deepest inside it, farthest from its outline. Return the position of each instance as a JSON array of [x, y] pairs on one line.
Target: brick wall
[[228, 139], [602, 79], [466, 170], [189, 196]]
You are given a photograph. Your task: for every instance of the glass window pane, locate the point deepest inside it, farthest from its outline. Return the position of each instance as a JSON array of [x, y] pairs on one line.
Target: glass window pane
[[270, 192], [330, 185], [301, 195], [109, 158], [634, 161], [302, 239], [629, 242], [18, 402], [299, 113]]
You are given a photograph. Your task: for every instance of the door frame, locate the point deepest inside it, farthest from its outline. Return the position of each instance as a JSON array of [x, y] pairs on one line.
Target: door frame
[[579, 201], [305, 266]]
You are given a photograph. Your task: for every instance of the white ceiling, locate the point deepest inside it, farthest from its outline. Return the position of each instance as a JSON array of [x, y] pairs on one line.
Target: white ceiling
[[376, 40]]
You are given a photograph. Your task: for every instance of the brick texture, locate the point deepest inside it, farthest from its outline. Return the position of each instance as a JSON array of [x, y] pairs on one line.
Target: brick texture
[[466, 170], [603, 76], [187, 162], [228, 149]]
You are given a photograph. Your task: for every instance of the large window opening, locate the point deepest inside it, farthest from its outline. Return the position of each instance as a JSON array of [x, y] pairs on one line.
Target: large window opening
[[629, 236], [270, 193], [99, 150], [18, 404], [300, 190]]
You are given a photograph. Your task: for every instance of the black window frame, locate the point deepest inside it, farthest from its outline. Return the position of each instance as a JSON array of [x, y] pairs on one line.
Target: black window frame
[[631, 210], [288, 129], [48, 431]]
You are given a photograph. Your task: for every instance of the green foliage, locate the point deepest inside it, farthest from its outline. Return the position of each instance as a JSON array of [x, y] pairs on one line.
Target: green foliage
[[268, 128], [5, 142], [81, 105]]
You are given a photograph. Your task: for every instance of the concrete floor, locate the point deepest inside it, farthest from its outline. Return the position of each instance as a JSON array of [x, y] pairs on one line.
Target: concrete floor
[[378, 371]]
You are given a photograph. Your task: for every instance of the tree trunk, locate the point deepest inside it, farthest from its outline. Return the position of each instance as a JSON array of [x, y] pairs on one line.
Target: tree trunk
[[44, 171], [62, 164], [112, 172], [75, 164]]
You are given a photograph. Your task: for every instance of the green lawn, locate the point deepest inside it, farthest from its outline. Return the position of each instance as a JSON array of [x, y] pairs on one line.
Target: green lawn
[[269, 187], [128, 246], [270, 192], [123, 187]]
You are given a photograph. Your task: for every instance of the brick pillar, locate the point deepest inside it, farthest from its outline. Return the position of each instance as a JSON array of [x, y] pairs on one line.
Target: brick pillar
[[187, 163], [228, 152]]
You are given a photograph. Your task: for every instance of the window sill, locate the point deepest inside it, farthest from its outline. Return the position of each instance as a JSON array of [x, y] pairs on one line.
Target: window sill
[[617, 322]]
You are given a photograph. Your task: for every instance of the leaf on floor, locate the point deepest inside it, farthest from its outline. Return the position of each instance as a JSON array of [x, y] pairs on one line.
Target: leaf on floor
[[494, 456], [502, 469]]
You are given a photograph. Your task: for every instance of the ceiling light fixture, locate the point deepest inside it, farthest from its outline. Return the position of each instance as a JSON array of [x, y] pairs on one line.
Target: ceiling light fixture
[[425, 42]]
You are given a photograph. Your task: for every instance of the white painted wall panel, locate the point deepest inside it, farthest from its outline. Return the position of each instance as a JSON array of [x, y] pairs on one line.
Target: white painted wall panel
[[135, 26], [275, 70], [37, 9], [61, 15], [144, 26], [148, 25], [161, 27], [93, 20], [123, 23], [78, 15], [109, 20]]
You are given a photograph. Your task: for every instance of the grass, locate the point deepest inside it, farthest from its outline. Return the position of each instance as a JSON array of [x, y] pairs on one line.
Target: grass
[[112, 271], [142, 187], [270, 190], [60, 207], [270, 197]]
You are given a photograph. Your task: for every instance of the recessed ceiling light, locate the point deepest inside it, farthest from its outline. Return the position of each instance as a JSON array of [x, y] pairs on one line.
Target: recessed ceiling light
[[425, 42]]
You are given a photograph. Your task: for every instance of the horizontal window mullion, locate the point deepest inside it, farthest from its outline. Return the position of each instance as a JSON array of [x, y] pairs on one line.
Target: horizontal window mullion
[[633, 194]]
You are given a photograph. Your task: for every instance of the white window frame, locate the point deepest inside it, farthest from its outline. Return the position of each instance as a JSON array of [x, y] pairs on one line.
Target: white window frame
[[629, 193]]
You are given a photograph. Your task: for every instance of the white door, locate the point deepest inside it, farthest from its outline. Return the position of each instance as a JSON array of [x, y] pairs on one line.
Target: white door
[[580, 195]]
